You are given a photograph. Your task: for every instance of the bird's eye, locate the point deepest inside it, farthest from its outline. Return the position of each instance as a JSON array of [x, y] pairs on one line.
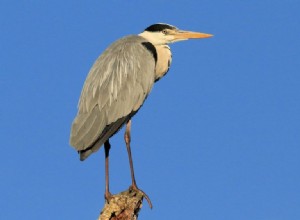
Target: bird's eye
[[164, 31]]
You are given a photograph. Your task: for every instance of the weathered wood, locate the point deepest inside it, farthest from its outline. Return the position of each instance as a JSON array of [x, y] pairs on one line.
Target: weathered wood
[[123, 206]]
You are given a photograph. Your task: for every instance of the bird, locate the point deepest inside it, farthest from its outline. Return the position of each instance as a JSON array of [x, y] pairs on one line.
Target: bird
[[117, 86]]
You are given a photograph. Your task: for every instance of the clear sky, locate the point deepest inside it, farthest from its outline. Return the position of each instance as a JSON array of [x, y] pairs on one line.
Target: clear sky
[[218, 138]]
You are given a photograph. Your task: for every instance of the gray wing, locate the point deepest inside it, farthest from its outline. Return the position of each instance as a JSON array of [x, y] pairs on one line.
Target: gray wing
[[115, 89]]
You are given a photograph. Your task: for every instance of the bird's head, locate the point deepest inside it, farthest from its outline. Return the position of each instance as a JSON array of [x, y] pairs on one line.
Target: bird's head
[[160, 33]]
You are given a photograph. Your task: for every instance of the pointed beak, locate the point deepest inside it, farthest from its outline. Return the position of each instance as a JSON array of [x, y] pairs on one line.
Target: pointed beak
[[184, 35]]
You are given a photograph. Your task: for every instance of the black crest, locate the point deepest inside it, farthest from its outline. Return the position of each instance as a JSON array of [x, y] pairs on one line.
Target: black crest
[[159, 27]]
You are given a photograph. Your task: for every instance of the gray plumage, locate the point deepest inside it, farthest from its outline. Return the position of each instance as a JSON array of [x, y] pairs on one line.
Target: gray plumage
[[116, 87], [120, 81]]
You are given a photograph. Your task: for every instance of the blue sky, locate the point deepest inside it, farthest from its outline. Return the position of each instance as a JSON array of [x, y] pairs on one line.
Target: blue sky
[[218, 137]]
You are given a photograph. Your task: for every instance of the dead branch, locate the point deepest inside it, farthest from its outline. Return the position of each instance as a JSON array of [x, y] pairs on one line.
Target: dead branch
[[123, 206]]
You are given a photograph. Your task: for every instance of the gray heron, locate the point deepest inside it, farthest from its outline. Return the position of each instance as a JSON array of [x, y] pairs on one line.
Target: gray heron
[[117, 86]]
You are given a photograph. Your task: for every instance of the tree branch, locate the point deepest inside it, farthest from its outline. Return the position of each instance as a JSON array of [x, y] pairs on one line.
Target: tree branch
[[123, 206]]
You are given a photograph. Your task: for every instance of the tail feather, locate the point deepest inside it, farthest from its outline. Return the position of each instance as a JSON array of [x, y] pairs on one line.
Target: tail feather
[[86, 128], [109, 131]]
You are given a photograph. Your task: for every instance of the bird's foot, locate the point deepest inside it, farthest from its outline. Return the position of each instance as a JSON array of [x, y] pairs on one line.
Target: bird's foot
[[108, 196], [135, 188]]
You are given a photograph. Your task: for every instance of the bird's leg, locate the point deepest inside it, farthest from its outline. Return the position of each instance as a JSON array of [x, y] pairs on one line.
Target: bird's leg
[[107, 194], [127, 138]]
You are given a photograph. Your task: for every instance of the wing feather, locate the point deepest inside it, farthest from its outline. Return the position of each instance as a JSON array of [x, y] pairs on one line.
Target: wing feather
[[116, 87]]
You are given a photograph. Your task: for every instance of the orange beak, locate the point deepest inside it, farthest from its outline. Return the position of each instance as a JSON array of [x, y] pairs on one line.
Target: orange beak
[[181, 35]]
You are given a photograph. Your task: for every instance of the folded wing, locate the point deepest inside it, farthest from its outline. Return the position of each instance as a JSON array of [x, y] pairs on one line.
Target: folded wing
[[115, 88]]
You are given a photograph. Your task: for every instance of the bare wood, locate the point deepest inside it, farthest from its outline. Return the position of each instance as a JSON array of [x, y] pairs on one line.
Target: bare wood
[[123, 206]]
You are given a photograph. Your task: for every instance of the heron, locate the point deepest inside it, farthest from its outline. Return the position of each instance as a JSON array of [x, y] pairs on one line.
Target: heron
[[116, 87]]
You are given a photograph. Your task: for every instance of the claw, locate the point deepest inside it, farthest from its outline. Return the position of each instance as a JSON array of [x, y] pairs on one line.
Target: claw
[[135, 188], [108, 196]]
